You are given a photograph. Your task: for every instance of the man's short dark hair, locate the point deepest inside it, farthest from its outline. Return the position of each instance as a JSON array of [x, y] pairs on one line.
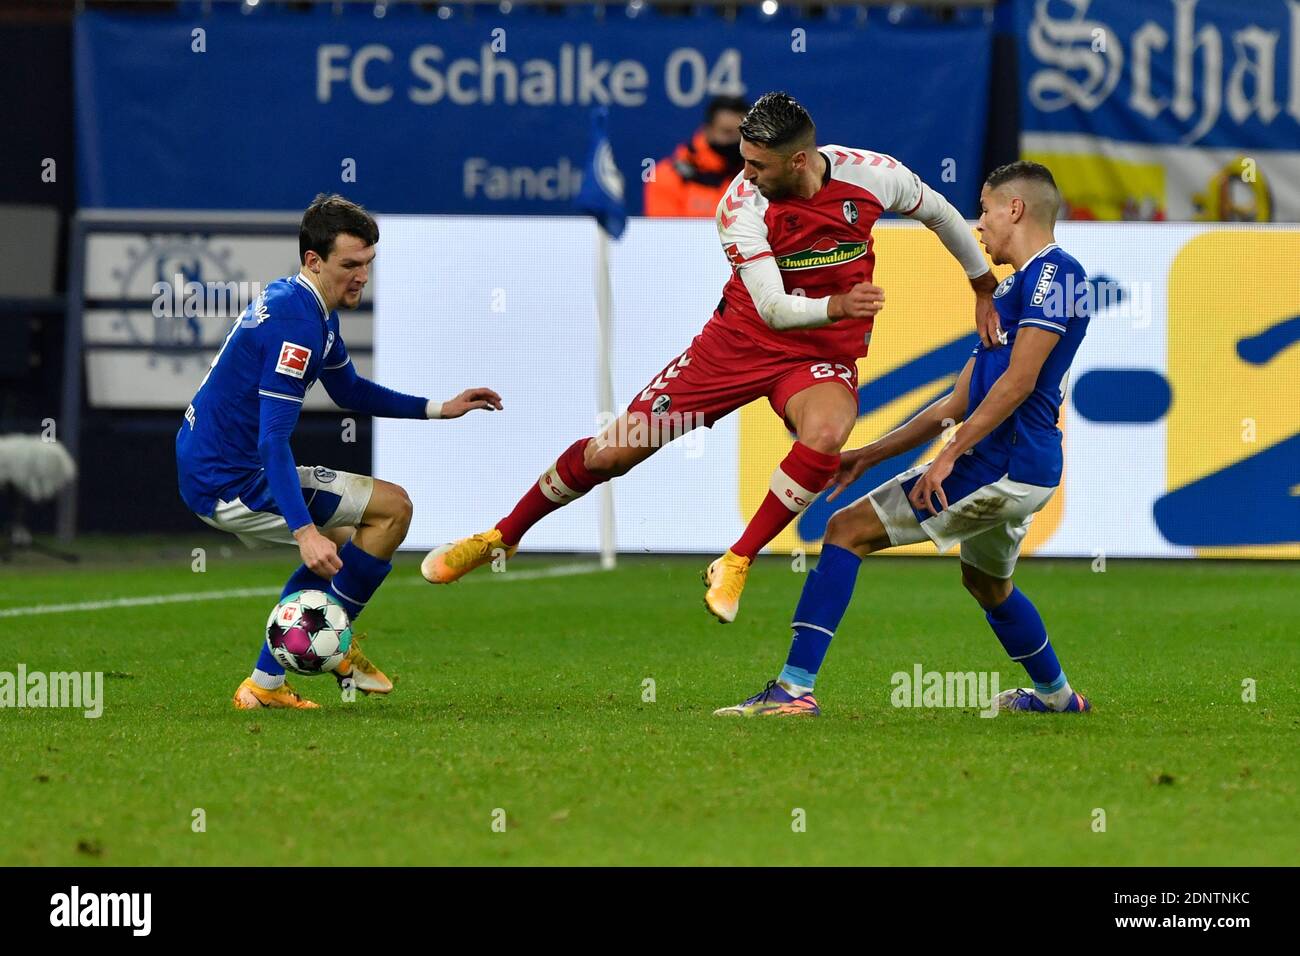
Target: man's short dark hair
[[1020, 169], [725, 104], [328, 217], [778, 120], [1041, 196]]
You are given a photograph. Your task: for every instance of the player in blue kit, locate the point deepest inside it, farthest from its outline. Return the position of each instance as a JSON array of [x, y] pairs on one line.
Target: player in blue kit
[[999, 468], [236, 468]]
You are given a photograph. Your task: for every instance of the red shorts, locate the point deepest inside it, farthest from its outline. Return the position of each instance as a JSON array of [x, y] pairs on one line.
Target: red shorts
[[714, 377]]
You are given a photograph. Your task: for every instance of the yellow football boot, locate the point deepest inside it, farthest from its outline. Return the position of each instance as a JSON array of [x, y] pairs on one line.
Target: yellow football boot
[[366, 677], [725, 579], [451, 562], [251, 697]]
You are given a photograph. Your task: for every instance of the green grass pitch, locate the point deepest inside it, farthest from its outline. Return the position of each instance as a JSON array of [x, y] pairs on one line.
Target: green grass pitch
[[525, 695]]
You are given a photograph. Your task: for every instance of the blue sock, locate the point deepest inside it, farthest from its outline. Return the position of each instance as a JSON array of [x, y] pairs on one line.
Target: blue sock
[[825, 598], [361, 576], [267, 664], [1020, 629], [302, 579]]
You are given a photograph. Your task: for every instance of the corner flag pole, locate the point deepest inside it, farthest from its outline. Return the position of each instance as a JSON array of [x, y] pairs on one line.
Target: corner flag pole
[[601, 196], [605, 384]]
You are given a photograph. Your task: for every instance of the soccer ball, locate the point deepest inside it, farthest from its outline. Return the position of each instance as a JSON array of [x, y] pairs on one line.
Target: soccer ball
[[309, 632]]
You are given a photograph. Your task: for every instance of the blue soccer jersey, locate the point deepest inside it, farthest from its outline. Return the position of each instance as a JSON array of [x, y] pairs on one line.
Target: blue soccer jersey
[[275, 352], [1048, 292]]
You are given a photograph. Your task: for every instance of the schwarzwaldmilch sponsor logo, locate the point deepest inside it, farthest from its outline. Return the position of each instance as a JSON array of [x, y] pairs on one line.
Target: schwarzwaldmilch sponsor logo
[[822, 253]]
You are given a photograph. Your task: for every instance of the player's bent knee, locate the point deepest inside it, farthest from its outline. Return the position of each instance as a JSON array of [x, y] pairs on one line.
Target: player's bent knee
[[403, 508], [827, 439], [857, 528], [597, 459], [839, 529], [607, 461], [391, 505]]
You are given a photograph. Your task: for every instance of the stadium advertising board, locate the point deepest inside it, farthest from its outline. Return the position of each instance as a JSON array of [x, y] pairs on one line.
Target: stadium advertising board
[[414, 114], [1180, 438]]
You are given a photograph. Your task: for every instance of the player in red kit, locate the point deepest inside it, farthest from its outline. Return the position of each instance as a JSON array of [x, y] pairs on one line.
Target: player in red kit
[[794, 319]]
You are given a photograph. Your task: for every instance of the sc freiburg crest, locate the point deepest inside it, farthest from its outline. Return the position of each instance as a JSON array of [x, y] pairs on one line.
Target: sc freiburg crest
[[850, 211]]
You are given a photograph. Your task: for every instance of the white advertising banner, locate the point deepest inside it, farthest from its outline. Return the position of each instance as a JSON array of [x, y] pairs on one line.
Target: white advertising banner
[[1180, 420]]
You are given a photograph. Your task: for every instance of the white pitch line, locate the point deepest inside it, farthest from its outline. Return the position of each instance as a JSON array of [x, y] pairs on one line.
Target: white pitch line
[[183, 598], [559, 570]]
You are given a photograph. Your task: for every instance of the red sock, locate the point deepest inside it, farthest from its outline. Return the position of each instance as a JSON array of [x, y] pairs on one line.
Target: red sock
[[801, 475], [567, 480]]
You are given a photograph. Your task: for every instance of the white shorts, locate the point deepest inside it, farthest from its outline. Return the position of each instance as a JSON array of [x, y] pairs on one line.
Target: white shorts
[[989, 521], [321, 487]]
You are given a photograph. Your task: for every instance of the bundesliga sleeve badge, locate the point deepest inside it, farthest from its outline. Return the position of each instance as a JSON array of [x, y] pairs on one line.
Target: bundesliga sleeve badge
[[293, 360]]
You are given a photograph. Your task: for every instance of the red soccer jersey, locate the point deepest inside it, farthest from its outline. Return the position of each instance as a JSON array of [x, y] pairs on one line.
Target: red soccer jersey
[[822, 246]]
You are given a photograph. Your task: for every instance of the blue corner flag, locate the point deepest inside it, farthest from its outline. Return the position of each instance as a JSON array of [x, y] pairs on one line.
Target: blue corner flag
[[601, 194]]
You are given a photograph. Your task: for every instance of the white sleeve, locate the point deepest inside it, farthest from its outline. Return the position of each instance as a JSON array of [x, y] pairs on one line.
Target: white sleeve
[[778, 308], [942, 218], [900, 190], [742, 230]]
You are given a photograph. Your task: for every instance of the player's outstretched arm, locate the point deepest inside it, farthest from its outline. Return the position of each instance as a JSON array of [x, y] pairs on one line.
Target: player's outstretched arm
[[1013, 386], [919, 430], [468, 401], [349, 390]]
